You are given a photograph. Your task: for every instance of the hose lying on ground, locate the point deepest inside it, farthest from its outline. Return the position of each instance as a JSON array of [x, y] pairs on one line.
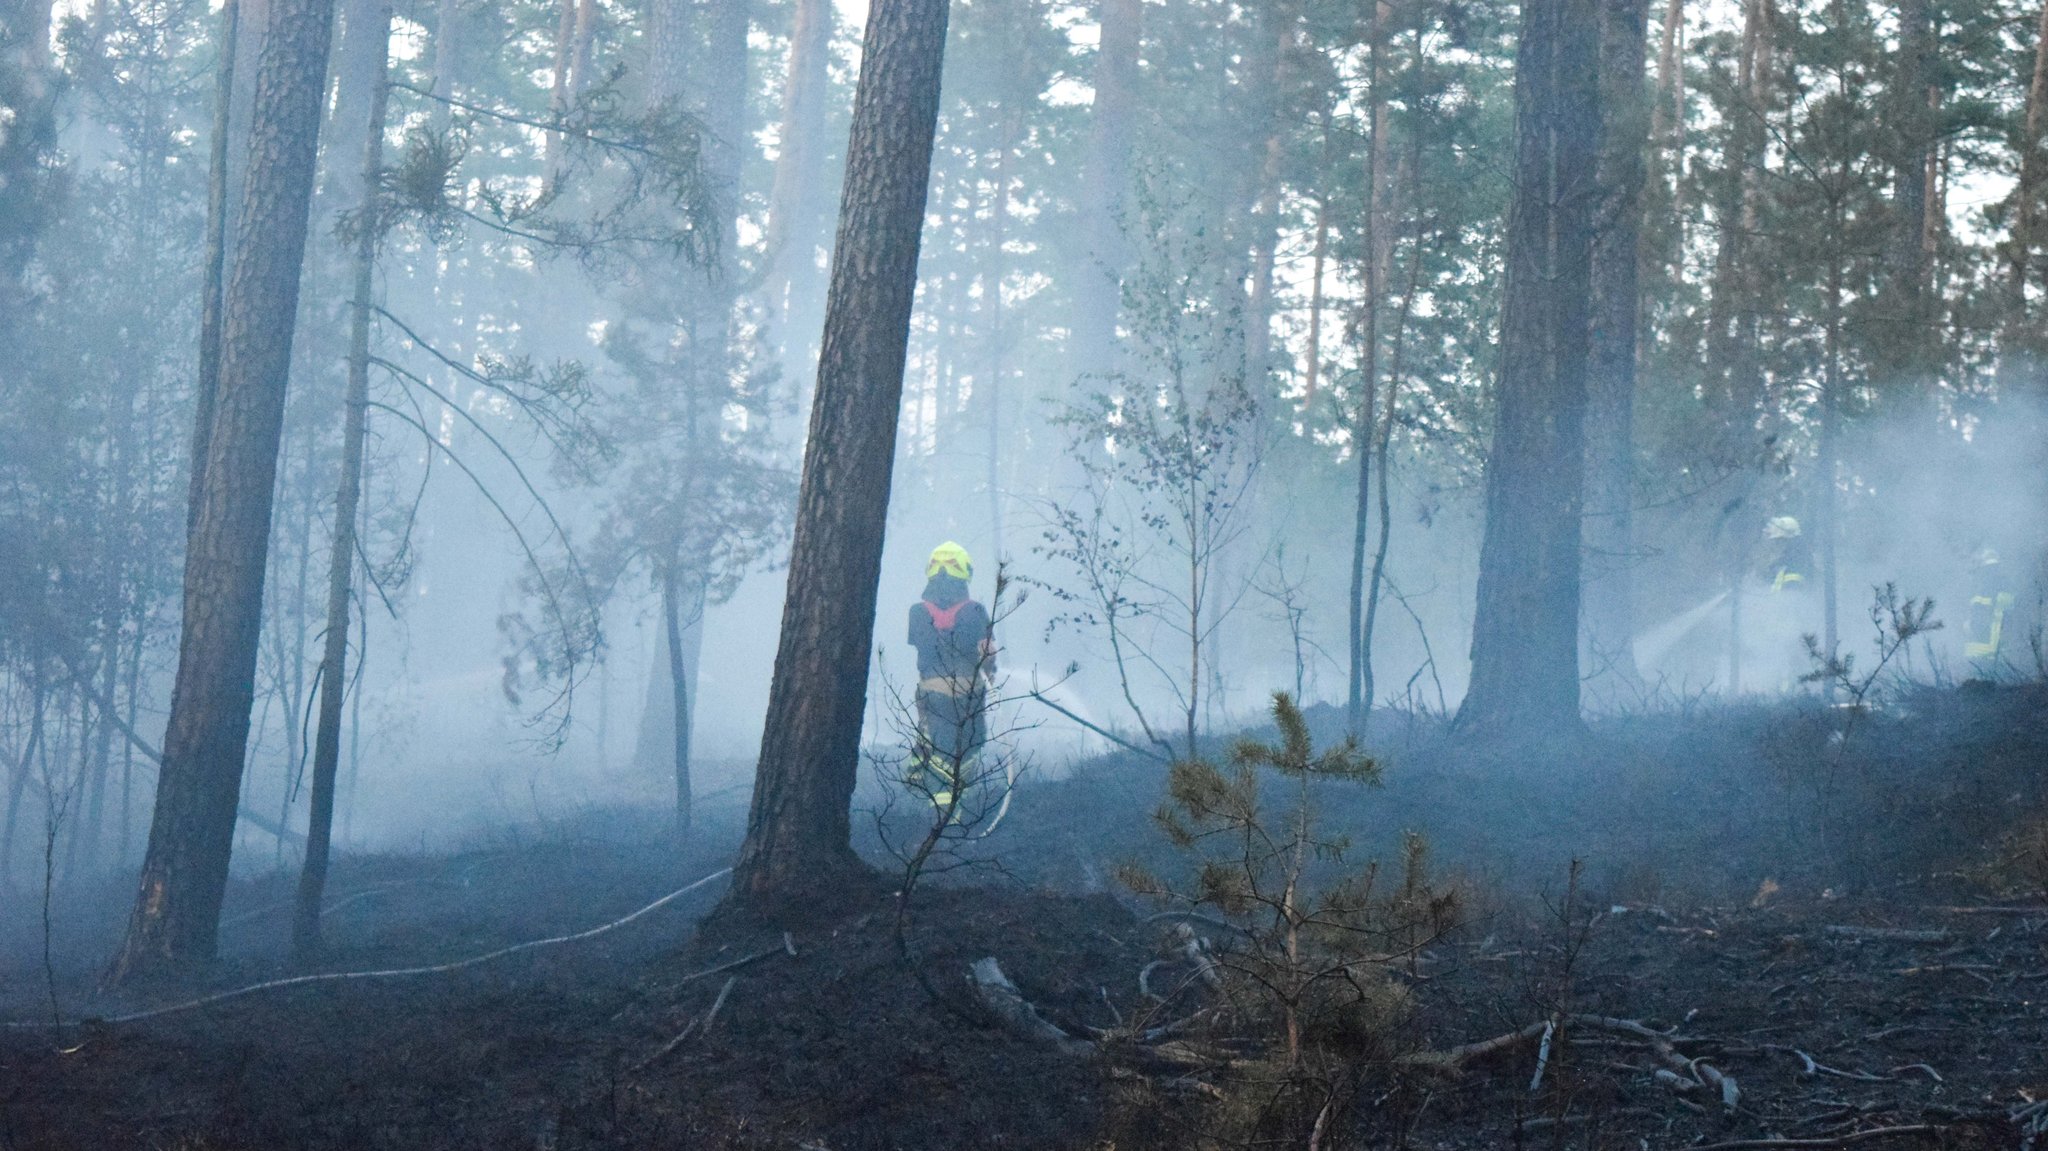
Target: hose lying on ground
[[394, 972]]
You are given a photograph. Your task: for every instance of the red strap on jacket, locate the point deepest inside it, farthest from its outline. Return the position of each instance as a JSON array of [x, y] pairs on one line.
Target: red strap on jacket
[[943, 618]]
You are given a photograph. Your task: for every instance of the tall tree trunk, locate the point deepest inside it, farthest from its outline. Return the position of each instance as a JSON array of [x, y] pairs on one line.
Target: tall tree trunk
[[25, 766], [357, 66], [679, 694], [798, 840], [1611, 351], [1358, 697], [1106, 177], [720, 94], [558, 87], [1318, 259], [1383, 451], [213, 278], [447, 56], [1830, 427], [1731, 352], [1282, 30], [997, 272], [795, 208], [341, 559], [184, 874], [1667, 134], [581, 46], [1913, 137], [1525, 632]]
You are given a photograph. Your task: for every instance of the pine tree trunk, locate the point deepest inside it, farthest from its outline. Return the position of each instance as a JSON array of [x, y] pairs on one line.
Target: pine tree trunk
[[341, 557], [679, 696], [1318, 259], [213, 278], [1281, 34], [580, 46], [357, 66], [1525, 636], [1611, 353], [184, 874], [720, 94], [558, 88], [1358, 696], [797, 842], [1106, 175], [992, 387]]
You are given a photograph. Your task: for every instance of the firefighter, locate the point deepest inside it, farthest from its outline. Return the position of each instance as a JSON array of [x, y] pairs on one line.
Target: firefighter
[[955, 642], [1989, 601], [1789, 555]]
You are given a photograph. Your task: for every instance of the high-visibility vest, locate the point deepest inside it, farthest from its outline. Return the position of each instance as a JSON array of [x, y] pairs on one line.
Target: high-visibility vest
[[1987, 648]]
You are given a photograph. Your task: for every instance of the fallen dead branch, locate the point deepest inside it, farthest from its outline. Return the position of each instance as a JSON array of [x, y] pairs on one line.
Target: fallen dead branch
[[1887, 934], [1811, 1067], [1456, 1058], [1009, 1007], [1680, 1071], [1826, 1140], [711, 1016], [702, 1022], [788, 947]]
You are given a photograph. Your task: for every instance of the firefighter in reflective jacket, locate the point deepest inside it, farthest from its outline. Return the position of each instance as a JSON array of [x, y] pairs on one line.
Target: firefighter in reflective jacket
[[1788, 553], [1989, 601], [955, 643]]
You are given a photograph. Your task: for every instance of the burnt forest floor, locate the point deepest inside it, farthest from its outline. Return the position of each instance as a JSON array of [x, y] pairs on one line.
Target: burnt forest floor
[[1843, 917]]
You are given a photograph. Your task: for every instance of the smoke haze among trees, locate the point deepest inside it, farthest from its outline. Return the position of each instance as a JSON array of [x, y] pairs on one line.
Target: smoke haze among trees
[[1586, 353]]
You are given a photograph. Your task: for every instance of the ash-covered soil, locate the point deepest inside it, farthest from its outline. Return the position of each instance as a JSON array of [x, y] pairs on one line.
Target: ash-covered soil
[[1837, 916]]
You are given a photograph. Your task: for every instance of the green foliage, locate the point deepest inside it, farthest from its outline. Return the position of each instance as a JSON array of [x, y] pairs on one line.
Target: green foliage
[[1896, 622], [1316, 939]]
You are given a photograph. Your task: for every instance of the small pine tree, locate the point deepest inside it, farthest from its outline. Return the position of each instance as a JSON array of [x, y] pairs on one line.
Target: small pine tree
[[1312, 952]]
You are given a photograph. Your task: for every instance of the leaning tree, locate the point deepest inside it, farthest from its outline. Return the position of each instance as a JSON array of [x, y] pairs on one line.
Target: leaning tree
[[798, 842], [184, 874]]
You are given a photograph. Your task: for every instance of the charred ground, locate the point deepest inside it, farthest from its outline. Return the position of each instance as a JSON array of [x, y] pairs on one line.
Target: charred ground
[[1841, 911]]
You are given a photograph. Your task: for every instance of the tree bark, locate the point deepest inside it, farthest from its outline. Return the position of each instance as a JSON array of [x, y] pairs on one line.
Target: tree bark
[[341, 557], [797, 842], [184, 874], [213, 277], [1525, 641], [1106, 176], [1611, 353]]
